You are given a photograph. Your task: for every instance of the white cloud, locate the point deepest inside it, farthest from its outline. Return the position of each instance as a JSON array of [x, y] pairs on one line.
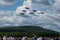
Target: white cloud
[[57, 6], [49, 20], [44, 5], [5, 2], [57, 3]]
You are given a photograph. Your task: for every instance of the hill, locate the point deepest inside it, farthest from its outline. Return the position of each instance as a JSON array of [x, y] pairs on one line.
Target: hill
[[28, 30]]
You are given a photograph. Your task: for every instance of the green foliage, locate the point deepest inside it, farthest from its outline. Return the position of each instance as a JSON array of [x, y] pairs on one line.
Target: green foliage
[[28, 31]]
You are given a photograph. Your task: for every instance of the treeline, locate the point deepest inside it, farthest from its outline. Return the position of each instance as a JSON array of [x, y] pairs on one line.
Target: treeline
[[28, 31]]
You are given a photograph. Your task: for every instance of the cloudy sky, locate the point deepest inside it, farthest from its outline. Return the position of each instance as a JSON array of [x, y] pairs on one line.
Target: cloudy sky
[[10, 13]]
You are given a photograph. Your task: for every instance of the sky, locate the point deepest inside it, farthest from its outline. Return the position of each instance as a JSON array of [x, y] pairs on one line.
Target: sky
[[10, 6], [10, 13]]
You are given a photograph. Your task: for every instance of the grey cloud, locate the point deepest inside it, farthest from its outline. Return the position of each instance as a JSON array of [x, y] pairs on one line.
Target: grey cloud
[[49, 20], [43, 5], [46, 21], [7, 2], [44, 2]]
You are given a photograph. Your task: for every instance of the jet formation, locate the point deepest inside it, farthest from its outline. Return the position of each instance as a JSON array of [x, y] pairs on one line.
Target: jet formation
[[27, 9]]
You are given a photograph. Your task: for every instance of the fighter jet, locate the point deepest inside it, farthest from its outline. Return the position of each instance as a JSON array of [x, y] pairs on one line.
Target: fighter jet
[[22, 14], [42, 12], [26, 7], [34, 10], [31, 13], [23, 10]]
